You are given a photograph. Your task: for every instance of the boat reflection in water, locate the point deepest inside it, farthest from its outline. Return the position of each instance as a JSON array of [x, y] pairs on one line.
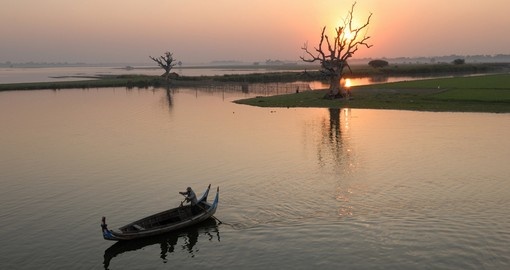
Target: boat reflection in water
[[167, 242]]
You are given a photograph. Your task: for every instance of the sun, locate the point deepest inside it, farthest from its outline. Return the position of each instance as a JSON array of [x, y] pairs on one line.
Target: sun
[[346, 33], [348, 83]]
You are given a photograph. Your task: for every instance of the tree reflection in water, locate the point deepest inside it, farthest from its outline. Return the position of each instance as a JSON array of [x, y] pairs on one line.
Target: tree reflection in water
[[169, 99], [335, 147], [332, 145], [167, 242]]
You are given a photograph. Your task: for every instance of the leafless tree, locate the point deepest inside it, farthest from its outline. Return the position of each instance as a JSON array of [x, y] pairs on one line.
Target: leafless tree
[[166, 62], [333, 54]]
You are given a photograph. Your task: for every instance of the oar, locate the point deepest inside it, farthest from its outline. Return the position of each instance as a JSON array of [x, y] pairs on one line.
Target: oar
[[182, 202], [219, 221], [198, 204]]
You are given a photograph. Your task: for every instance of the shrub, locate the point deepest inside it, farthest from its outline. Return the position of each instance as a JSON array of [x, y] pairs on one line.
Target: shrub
[[378, 63], [459, 61]]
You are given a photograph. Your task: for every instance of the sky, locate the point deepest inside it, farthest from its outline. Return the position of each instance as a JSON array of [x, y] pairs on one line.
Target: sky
[[200, 31]]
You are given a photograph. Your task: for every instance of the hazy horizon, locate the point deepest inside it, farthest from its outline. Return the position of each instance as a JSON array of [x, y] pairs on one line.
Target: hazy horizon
[[203, 31]]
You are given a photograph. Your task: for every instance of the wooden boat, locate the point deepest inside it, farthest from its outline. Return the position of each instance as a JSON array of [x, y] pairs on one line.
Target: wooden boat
[[166, 221]]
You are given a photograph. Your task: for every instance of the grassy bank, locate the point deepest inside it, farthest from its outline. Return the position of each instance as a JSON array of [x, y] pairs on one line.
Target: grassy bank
[[488, 93]]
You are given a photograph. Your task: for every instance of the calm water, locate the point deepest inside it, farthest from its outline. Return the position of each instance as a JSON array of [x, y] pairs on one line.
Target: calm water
[[300, 188], [49, 74]]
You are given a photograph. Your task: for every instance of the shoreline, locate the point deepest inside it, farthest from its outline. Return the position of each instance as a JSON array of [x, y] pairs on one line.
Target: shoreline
[[280, 73], [486, 92]]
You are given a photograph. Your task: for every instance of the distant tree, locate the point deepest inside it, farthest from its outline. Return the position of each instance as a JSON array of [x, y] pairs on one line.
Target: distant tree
[[378, 63], [459, 61], [333, 54], [166, 62]]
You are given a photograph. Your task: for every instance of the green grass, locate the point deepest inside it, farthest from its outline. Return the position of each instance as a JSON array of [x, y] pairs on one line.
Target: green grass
[[493, 81], [483, 95], [490, 93]]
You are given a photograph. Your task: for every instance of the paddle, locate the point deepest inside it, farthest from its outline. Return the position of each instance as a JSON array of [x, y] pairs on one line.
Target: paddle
[[183, 201], [219, 221]]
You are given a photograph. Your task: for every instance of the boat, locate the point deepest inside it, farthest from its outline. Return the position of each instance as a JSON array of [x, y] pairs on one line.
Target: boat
[[166, 221]]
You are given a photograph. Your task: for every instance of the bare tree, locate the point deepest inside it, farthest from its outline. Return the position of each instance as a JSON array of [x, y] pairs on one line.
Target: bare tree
[[166, 62], [333, 54]]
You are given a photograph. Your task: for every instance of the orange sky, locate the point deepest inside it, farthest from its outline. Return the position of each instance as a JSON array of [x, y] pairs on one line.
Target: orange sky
[[124, 31]]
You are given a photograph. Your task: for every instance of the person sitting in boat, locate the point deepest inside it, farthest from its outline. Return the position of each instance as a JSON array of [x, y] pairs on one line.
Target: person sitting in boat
[[190, 196]]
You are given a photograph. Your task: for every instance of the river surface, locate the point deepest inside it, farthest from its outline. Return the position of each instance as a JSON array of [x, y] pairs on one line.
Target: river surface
[[299, 188], [51, 74]]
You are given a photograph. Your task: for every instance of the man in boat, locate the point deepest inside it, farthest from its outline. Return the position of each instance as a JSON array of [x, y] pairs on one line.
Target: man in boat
[[190, 196]]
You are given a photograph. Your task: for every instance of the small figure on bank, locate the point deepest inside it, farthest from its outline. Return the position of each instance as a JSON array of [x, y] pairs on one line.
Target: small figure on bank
[[190, 196]]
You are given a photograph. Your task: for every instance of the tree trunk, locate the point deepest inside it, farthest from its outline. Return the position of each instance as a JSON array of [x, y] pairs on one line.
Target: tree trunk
[[334, 85], [335, 89], [166, 75]]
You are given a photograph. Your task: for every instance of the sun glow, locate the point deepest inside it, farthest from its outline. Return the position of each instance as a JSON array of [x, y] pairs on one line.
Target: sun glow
[[348, 35], [344, 35], [347, 83]]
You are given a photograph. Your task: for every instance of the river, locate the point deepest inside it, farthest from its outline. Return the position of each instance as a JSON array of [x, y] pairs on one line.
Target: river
[[299, 188]]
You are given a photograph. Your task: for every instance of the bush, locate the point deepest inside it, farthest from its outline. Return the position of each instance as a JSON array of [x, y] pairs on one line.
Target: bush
[[459, 61], [378, 63]]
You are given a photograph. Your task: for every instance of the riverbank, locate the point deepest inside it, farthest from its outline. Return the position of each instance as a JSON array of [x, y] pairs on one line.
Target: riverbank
[[485, 93]]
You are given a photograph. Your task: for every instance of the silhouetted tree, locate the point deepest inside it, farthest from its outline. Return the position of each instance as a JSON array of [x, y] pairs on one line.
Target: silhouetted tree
[[459, 61], [378, 63], [333, 54], [166, 62]]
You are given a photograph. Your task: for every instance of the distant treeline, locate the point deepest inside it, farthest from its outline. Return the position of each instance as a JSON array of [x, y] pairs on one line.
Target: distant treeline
[[498, 58], [366, 71], [431, 69], [478, 59]]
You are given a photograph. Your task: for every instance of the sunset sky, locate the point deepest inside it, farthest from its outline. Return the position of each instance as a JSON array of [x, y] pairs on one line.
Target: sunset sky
[[200, 31]]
